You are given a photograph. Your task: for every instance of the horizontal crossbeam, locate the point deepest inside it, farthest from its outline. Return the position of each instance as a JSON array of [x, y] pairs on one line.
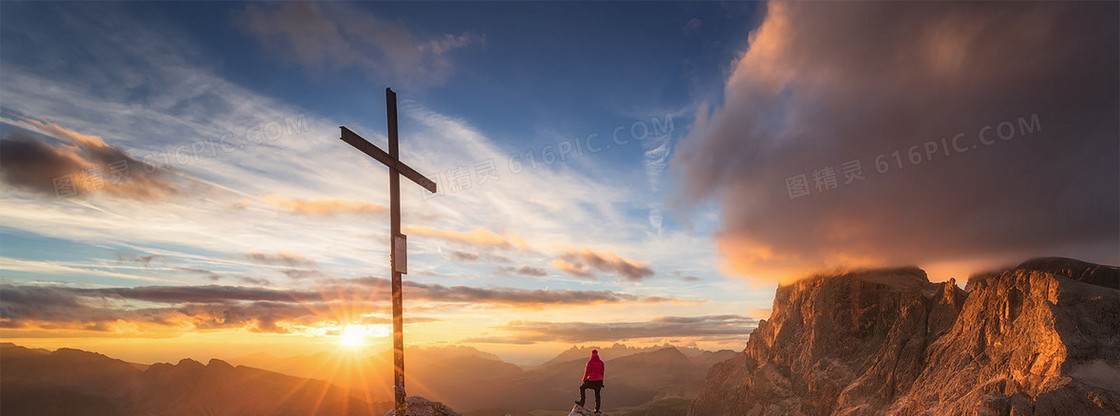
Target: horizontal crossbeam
[[375, 152]]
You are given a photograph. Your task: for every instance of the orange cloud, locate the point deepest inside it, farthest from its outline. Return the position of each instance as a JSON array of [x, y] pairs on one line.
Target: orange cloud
[[323, 206], [79, 165], [479, 236], [212, 307], [751, 258], [580, 263], [71, 136], [759, 313], [574, 269]]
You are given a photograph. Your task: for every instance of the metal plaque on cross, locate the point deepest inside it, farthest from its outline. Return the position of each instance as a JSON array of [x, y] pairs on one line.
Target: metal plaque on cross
[[400, 254]]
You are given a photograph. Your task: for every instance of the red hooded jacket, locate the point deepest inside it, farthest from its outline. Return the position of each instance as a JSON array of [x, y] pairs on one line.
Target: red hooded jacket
[[595, 368]]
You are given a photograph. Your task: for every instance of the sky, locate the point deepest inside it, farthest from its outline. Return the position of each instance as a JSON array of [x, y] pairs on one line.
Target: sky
[[173, 184]]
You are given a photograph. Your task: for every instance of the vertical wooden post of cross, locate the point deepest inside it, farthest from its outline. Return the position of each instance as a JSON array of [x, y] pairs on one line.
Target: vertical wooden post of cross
[[398, 250]]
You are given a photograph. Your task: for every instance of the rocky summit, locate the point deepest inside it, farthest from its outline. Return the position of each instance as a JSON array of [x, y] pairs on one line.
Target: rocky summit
[[1042, 338], [578, 410], [419, 406]]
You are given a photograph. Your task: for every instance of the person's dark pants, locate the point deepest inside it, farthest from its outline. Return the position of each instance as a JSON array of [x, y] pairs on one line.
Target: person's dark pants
[[593, 385]]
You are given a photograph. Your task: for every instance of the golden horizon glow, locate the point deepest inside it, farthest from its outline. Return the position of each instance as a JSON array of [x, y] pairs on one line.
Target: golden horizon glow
[[354, 335]]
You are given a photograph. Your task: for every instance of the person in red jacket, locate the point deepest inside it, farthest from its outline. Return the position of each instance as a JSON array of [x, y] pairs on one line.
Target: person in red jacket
[[592, 379]]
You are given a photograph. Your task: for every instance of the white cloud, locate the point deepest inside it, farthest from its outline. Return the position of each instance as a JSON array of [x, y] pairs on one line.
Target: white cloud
[[226, 145]]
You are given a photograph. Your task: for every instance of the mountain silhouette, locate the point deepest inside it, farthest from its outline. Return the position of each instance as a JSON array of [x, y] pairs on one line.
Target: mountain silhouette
[[74, 382]]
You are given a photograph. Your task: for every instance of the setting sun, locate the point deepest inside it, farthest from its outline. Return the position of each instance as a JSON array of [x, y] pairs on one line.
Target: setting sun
[[358, 335]]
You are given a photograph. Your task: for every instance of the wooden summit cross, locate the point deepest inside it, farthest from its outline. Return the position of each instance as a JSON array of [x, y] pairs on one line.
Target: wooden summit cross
[[397, 243]]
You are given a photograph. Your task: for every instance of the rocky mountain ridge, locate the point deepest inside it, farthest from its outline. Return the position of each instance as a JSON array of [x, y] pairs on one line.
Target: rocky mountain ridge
[[1041, 338]]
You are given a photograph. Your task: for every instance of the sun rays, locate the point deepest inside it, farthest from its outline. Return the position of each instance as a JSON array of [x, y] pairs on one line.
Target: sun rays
[[356, 336]]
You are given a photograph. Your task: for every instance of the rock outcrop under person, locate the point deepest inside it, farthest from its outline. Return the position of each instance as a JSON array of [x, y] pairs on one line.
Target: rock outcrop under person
[[578, 410]]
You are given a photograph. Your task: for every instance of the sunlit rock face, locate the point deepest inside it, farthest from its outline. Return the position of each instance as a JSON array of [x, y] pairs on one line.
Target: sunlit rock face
[[1037, 339], [419, 406], [1042, 338]]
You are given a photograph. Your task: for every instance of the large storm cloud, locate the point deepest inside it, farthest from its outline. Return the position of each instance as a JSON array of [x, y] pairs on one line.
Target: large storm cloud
[[1003, 116]]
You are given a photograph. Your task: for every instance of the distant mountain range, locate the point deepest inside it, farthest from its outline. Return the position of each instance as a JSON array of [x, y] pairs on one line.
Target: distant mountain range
[[620, 350], [73, 382], [660, 380], [1042, 338], [636, 376]]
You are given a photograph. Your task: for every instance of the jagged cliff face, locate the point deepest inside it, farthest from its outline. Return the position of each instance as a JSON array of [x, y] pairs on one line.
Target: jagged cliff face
[[830, 340], [1030, 340]]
